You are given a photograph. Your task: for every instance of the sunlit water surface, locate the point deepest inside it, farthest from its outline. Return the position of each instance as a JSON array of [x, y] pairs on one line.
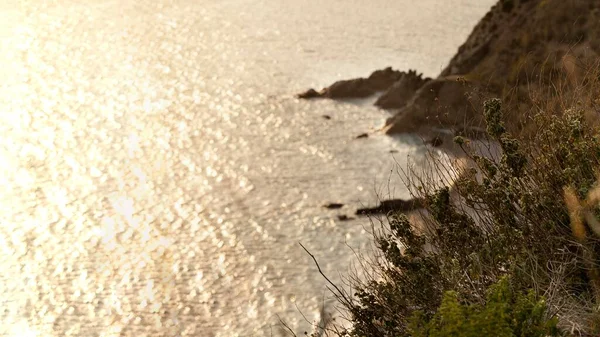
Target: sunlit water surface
[[157, 172]]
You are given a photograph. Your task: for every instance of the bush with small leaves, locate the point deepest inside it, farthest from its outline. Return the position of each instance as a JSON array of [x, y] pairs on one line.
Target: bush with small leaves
[[506, 313], [506, 217]]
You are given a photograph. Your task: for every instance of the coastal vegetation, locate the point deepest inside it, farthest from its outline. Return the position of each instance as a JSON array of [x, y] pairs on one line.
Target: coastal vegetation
[[511, 247], [515, 223]]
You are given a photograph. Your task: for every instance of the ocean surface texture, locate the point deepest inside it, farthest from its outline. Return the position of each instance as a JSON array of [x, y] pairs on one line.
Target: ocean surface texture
[[157, 173]]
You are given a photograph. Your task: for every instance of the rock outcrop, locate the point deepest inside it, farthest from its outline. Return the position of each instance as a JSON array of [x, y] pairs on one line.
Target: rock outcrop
[[400, 93], [378, 81], [392, 205], [442, 103]]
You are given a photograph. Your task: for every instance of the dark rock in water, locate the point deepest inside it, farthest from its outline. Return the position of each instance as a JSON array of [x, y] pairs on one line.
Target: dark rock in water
[[333, 205], [326, 116], [398, 95], [395, 205], [362, 135], [310, 93], [344, 217], [435, 141], [379, 80]]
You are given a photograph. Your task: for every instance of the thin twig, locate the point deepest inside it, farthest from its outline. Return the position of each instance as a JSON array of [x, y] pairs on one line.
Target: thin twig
[[340, 292]]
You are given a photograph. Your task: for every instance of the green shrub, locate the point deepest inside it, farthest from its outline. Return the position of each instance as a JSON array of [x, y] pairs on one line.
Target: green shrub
[[506, 313]]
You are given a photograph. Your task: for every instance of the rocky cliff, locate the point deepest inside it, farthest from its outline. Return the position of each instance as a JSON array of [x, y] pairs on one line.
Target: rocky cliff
[[524, 51]]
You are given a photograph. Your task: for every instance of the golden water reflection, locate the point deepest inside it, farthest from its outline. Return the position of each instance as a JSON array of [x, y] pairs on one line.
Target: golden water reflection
[[156, 173]]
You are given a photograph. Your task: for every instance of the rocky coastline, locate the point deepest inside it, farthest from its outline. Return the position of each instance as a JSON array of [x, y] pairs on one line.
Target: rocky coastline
[[518, 48], [521, 51]]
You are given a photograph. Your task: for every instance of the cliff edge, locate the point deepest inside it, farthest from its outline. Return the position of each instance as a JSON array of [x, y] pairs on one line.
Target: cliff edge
[[523, 51]]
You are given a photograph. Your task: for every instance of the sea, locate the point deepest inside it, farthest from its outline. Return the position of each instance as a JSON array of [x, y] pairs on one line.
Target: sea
[[158, 176]]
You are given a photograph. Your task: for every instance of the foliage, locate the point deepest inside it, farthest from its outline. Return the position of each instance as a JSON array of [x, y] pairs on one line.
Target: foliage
[[504, 216], [506, 313]]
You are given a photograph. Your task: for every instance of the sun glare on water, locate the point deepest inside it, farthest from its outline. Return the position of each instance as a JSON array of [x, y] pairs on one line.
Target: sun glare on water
[[22, 330]]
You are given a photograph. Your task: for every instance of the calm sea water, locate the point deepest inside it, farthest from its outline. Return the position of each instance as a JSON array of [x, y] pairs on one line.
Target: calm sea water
[[158, 174]]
